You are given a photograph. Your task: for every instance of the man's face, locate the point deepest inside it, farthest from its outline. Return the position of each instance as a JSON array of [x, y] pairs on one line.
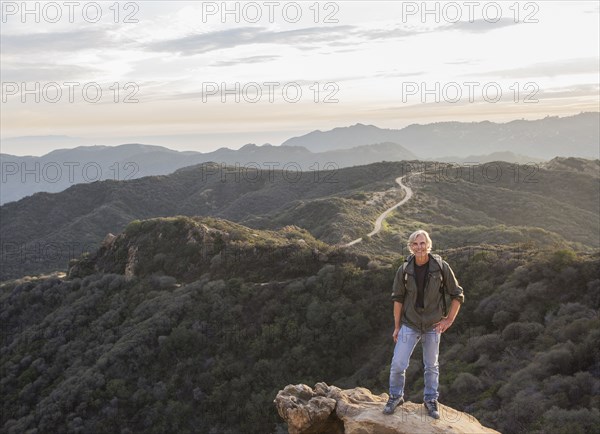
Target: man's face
[[419, 246]]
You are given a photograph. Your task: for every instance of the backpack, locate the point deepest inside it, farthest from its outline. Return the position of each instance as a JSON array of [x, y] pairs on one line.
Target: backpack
[[438, 259]]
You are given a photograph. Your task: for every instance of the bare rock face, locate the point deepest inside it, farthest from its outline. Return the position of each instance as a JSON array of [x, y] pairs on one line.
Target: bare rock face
[[131, 262], [307, 411], [108, 240], [331, 410]]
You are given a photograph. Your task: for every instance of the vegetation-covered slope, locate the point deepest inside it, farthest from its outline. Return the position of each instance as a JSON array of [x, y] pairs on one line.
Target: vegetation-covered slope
[[550, 207], [182, 344]]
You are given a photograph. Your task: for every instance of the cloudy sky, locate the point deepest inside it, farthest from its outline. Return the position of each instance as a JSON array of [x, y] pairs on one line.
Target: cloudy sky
[[201, 75]]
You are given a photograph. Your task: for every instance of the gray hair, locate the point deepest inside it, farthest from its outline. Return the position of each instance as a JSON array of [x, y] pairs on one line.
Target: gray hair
[[414, 236]]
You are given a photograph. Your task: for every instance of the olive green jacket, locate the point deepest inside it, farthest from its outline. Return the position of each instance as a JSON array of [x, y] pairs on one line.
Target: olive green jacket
[[405, 292]]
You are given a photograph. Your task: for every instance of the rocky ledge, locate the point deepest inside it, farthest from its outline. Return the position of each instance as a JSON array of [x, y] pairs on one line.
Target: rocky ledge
[[331, 410]]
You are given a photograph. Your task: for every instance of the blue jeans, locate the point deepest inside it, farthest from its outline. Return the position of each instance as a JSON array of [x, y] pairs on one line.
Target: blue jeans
[[407, 341]]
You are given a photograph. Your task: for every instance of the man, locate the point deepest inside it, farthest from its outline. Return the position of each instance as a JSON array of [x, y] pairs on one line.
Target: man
[[419, 314]]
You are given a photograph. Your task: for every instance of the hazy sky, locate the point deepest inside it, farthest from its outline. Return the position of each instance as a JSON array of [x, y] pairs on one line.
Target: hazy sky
[[292, 66]]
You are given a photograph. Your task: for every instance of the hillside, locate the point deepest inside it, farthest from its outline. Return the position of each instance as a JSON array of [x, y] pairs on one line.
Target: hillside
[[63, 168], [524, 204], [180, 340], [500, 195], [218, 247], [42, 232], [572, 164]]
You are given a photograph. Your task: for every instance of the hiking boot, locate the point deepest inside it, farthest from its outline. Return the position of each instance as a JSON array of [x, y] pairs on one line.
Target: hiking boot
[[392, 403], [432, 408]]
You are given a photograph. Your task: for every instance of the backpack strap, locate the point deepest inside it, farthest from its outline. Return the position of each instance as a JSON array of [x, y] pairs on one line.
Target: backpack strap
[[440, 262], [404, 274]]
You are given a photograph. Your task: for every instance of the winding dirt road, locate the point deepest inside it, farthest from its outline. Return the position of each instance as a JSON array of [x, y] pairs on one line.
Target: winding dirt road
[[384, 214]]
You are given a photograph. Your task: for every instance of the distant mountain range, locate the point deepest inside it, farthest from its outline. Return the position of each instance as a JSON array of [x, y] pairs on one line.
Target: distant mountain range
[[60, 169], [546, 138], [516, 142]]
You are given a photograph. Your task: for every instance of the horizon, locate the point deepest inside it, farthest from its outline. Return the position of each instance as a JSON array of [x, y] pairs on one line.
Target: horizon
[[206, 76], [179, 149]]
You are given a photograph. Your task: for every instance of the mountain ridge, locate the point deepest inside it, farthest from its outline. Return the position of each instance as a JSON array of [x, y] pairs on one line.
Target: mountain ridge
[[545, 138], [61, 169], [42, 232], [340, 147]]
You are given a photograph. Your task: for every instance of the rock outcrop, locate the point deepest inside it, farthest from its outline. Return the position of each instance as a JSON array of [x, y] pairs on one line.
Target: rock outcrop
[[331, 410]]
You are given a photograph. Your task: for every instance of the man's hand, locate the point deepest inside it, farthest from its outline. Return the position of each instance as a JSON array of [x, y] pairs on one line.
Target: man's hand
[[395, 335], [443, 325]]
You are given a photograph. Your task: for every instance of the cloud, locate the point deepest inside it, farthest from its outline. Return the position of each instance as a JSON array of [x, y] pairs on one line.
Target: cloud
[[245, 60], [462, 62], [214, 89], [394, 33], [586, 65], [31, 72], [479, 26], [567, 96], [310, 37], [580, 90], [55, 41], [394, 74]]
